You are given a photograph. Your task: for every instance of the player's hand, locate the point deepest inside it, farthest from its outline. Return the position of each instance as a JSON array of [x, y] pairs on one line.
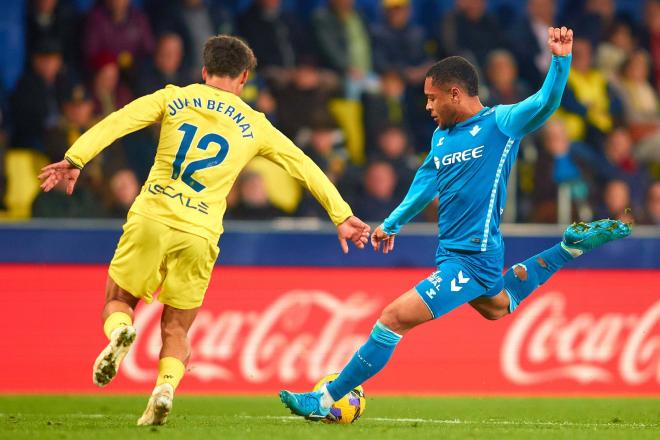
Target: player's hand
[[560, 40], [379, 236], [355, 230], [56, 172]]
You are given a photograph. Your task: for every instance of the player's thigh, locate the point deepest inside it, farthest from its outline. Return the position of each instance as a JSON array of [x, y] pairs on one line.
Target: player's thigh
[[449, 287], [492, 306], [136, 267], [405, 312], [189, 264]]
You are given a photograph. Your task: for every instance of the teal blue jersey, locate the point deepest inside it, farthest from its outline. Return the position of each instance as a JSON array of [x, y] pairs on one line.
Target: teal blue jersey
[[469, 164]]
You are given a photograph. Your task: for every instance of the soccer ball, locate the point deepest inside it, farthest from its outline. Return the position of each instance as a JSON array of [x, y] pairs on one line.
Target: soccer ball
[[347, 409]]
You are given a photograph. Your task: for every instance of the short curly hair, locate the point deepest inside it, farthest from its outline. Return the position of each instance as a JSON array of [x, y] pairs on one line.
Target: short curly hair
[[225, 55], [455, 70]]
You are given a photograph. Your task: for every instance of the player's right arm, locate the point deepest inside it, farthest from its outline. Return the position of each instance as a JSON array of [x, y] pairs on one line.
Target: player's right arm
[[140, 113], [279, 149], [422, 190]]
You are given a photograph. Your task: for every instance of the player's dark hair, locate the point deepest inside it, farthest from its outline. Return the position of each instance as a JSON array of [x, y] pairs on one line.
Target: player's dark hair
[[455, 70], [227, 56]]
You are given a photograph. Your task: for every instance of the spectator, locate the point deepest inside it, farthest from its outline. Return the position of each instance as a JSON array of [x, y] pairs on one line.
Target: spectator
[[109, 92], [194, 21], [165, 66], [276, 37], [612, 52], [34, 105], [303, 96], [398, 44], [123, 189], [652, 213], [393, 148], [639, 98], [344, 45], [529, 40], [253, 203], [57, 204], [587, 100], [378, 198], [504, 87], [616, 202], [651, 37], [385, 107], [115, 27], [470, 31], [56, 21], [591, 24]]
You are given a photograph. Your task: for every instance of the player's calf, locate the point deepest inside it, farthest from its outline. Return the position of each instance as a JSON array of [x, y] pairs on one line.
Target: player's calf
[[523, 278]]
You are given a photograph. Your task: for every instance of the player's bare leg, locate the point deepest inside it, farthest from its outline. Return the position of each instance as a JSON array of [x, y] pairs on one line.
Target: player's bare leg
[[118, 327], [398, 318], [174, 355]]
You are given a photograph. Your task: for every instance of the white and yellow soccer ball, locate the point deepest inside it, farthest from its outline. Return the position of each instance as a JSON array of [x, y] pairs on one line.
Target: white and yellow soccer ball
[[347, 409]]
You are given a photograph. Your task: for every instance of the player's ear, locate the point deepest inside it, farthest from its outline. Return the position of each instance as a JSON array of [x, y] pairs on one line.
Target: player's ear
[[455, 95], [244, 77], [204, 73]]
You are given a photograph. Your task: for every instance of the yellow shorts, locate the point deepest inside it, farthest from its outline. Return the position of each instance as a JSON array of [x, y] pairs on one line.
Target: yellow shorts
[[151, 254]]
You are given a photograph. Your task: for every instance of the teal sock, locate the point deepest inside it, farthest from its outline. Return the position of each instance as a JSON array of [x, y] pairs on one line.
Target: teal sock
[[523, 278], [366, 362]]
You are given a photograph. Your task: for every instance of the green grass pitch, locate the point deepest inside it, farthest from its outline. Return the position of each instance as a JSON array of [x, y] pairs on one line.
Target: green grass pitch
[[263, 417]]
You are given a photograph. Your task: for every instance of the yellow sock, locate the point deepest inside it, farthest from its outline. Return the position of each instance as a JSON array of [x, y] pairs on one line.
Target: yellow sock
[[170, 370], [115, 320]]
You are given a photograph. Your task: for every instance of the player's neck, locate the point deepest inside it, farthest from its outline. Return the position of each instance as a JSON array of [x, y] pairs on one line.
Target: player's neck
[[231, 85], [471, 108]]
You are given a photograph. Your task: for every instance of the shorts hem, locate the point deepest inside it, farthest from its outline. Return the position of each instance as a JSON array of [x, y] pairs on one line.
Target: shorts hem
[[121, 284], [425, 303]]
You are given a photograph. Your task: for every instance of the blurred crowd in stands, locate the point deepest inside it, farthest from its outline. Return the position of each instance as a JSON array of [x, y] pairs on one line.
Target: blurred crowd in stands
[[344, 80]]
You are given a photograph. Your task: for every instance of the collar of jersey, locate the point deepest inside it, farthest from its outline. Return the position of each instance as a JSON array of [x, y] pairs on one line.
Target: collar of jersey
[[473, 118]]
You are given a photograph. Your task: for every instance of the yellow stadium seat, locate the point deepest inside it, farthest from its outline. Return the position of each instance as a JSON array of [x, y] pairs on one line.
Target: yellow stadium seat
[[348, 115], [283, 190], [22, 167]]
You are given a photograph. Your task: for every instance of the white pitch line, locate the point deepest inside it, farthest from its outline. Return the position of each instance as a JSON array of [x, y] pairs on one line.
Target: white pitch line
[[392, 420], [474, 422]]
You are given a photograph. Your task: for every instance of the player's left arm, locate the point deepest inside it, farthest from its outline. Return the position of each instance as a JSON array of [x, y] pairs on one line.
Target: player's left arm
[[519, 119], [279, 149]]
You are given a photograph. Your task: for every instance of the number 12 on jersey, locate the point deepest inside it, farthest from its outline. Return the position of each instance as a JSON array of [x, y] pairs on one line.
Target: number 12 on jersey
[[189, 132]]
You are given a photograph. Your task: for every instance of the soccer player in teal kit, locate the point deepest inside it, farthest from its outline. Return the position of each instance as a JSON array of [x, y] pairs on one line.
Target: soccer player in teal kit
[[472, 153]]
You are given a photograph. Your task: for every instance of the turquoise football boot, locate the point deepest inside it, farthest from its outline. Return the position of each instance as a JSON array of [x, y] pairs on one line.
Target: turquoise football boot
[[583, 237], [307, 405]]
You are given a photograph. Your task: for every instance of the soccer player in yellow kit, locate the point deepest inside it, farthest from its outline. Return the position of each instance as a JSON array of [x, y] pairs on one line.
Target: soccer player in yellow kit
[[208, 135]]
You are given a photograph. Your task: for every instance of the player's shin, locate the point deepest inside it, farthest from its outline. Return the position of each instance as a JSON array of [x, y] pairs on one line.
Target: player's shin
[[365, 363], [523, 278]]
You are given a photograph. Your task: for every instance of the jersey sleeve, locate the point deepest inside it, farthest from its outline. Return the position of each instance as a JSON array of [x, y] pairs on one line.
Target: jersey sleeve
[[279, 149], [518, 120], [422, 190], [138, 114]]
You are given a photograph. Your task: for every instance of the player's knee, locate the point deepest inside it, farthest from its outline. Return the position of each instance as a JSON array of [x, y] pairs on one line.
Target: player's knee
[[392, 319]]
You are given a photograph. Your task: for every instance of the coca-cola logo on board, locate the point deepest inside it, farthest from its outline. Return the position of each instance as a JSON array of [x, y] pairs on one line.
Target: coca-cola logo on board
[[302, 334], [544, 344]]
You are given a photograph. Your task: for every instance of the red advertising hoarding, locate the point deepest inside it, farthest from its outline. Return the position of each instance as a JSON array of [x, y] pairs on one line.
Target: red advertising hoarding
[[262, 329]]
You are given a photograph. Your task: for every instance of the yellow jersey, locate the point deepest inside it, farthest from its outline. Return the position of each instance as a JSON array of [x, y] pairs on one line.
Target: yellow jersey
[[207, 136]]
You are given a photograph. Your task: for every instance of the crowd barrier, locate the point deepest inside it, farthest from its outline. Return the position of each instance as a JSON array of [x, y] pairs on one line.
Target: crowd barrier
[[265, 327]]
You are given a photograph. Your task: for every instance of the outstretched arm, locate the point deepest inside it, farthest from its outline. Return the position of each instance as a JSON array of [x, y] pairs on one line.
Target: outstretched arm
[[422, 190], [138, 114], [519, 119], [279, 149]]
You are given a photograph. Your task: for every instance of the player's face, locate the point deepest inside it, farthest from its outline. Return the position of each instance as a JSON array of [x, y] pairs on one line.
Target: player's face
[[439, 103]]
